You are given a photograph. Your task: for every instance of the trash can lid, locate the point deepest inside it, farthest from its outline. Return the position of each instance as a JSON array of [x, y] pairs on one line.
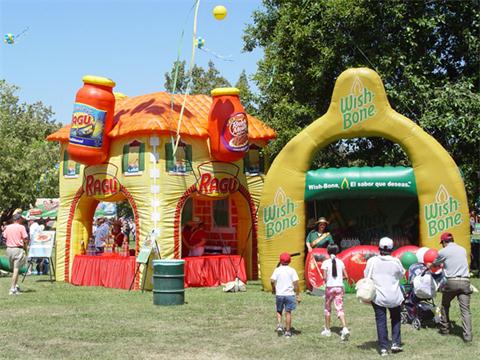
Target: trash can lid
[[168, 262]]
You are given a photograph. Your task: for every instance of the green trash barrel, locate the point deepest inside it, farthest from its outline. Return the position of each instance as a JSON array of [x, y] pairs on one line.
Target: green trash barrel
[[168, 282]]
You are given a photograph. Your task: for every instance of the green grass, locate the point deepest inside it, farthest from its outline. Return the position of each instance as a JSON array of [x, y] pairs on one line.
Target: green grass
[[61, 321]]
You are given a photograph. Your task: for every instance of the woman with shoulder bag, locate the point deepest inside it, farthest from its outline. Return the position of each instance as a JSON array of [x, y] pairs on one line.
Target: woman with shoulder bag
[[386, 272]]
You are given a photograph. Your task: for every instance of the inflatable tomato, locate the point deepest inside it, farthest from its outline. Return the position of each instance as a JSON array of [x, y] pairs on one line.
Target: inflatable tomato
[[313, 268], [355, 259]]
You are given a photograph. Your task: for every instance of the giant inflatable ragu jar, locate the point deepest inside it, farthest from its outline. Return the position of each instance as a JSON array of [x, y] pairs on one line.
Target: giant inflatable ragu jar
[[92, 120], [227, 126]]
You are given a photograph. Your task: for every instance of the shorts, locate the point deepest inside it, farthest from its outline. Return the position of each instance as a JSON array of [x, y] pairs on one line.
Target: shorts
[[287, 302], [16, 257]]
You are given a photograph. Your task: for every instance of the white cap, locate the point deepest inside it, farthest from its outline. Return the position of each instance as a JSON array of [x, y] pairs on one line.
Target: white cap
[[386, 243]]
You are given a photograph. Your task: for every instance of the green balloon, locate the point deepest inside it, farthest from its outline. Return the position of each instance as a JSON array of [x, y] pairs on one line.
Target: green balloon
[[408, 259]]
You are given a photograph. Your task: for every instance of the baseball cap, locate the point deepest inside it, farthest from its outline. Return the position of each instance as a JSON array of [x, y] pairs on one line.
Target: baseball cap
[[446, 236], [285, 258], [385, 243]]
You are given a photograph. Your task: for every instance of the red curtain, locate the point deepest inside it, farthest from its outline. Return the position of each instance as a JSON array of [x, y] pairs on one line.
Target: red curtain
[[214, 270], [108, 271]]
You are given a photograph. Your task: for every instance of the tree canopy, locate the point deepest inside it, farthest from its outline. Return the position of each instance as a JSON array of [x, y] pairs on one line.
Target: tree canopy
[[427, 53], [29, 164], [203, 81]]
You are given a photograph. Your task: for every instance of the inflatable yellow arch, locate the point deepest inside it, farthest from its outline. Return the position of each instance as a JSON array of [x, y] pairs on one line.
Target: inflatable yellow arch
[[359, 108]]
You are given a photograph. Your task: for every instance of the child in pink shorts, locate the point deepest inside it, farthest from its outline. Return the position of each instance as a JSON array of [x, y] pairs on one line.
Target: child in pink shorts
[[334, 272]]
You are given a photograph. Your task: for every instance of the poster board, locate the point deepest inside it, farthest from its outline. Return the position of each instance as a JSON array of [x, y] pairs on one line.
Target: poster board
[[144, 254], [42, 245]]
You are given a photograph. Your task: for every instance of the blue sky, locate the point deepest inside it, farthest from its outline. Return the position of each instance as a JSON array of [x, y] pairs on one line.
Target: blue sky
[[133, 42]]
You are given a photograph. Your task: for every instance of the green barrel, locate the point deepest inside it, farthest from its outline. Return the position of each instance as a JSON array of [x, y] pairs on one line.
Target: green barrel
[[5, 265], [168, 282]]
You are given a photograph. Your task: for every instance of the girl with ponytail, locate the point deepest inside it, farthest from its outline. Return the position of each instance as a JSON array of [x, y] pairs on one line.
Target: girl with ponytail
[[334, 272]]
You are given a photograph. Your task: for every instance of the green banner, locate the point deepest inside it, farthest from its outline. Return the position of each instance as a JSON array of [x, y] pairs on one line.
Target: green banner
[[360, 182]]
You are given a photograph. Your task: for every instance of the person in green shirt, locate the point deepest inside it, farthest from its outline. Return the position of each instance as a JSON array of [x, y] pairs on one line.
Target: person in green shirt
[[319, 237]]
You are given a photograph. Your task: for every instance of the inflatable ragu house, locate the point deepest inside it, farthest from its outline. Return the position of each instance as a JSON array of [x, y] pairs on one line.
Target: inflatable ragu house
[[202, 163]]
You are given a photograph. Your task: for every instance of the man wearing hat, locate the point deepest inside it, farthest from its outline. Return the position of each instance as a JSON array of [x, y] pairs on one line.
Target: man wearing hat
[[455, 264], [319, 237], [16, 240]]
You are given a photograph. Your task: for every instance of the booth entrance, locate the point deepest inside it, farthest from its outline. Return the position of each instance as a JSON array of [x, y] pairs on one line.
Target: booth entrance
[[364, 221], [364, 204], [230, 239]]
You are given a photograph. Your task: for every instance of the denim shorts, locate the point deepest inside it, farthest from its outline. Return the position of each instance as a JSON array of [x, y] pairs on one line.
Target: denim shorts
[[287, 302]]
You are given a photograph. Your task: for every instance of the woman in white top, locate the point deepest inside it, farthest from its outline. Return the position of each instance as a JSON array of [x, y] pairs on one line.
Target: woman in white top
[[334, 272], [386, 272]]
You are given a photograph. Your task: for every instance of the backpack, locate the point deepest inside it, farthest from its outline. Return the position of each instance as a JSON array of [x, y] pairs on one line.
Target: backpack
[[424, 286]]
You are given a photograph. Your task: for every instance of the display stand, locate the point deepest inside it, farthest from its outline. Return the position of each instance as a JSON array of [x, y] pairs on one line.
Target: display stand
[[143, 258], [41, 247]]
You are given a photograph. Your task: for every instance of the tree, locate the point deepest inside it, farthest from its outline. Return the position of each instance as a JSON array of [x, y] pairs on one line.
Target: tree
[[29, 164], [246, 95], [203, 81], [421, 49]]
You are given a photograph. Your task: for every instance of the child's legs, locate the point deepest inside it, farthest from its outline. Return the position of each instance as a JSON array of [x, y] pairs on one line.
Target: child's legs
[[338, 302], [288, 320], [279, 304], [329, 296], [290, 305]]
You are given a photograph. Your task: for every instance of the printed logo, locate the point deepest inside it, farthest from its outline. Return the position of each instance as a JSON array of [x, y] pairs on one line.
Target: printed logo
[[442, 214], [235, 133], [100, 181], [279, 216], [87, 125], [217, 179], [357, 106]]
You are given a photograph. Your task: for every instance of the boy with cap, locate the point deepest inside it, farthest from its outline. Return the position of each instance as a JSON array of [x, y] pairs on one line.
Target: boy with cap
[[284, 282], [455, 264]]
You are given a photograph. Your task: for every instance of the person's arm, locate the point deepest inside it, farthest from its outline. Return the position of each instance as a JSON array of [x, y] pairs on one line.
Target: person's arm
[[297, 291], [273, 283], [345, 275], [440, 259], [307, 242]]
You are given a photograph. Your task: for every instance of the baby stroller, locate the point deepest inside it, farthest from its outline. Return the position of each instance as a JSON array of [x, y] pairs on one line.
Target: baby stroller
[[418, 307]]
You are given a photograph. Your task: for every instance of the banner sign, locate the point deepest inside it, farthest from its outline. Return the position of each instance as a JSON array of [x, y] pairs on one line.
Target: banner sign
[[42, 245], [217, 179], [354, 182]]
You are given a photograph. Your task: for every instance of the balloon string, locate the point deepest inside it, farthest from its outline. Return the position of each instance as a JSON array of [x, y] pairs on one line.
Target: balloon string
[[190, 71], [218, 56], [22, 32]]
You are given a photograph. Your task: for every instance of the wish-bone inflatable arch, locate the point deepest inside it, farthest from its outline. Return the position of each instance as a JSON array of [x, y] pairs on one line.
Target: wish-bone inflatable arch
[[359, 108]]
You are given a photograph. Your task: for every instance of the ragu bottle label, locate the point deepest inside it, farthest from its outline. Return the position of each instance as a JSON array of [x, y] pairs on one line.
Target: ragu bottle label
[[88, 124], [235, 133]]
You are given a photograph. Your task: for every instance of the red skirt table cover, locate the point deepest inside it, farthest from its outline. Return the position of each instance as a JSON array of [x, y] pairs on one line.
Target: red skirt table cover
[[214, 270], [113, 271]]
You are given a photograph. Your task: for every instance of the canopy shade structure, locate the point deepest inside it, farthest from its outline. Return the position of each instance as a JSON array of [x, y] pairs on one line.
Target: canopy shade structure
[[360, 182]]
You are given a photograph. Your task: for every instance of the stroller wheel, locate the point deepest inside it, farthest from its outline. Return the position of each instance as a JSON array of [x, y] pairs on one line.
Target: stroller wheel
[[416, 323], [404, 317]]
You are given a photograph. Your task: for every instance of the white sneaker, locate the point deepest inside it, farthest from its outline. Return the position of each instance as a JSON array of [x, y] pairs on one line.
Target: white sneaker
[[14, 292], [17, 288], [384, 352], [326, 333], [344, 334]]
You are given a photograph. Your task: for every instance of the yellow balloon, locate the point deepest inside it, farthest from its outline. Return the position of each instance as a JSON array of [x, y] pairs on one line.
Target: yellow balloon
[[219, 12]]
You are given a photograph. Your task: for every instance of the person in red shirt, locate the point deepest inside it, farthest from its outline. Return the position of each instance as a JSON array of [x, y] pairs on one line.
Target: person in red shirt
[[196, 241], [118, 236], [16, 240]]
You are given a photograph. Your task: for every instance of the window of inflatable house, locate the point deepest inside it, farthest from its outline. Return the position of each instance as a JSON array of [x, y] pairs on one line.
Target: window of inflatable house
[[181, 163], [71, 169], [253, 162], [221, 213], [133, 159]]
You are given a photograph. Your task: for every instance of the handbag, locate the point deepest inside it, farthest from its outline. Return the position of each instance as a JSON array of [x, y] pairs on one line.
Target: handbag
[[365, 288]]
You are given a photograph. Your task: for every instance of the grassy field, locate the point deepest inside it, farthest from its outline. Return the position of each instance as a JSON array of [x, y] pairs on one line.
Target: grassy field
[[61, 321]]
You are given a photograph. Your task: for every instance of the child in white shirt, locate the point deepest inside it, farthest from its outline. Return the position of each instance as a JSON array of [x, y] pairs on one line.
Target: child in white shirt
[[284, 282], [334, 272]]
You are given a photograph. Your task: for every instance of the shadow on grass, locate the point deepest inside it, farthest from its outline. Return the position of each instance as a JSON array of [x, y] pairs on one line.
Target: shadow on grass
[[368, 345], [456, 330]]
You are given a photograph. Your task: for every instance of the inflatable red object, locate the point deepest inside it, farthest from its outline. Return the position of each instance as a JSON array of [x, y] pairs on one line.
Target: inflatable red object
[[355, 259], [402, 250], [91, 121], [227, 126], [430, 256], [313, 268]]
